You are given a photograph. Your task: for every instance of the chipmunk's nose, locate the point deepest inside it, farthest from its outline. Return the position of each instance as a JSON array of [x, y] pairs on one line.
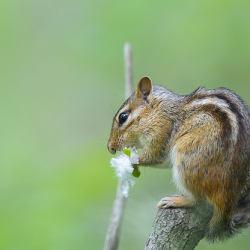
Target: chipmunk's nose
[[111, 150]]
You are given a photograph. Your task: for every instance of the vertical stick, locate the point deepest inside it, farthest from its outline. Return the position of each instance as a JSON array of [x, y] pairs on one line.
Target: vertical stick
[[128, 70], [112, 237]]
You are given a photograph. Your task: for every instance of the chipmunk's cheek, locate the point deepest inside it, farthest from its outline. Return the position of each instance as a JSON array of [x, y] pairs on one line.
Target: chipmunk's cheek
[[132, 143]]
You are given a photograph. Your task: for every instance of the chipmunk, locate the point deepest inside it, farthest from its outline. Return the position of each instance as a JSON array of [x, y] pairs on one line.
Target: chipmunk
[[206, 135]]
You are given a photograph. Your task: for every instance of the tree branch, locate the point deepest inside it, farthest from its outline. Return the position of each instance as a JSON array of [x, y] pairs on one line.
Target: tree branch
[[179, 228]]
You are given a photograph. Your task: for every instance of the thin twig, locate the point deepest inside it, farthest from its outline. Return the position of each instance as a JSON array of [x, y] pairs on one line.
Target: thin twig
[[128, 70], [112, 238]]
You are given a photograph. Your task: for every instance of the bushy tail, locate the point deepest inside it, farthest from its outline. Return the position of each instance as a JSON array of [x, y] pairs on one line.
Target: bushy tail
[[241, 216], [221, 228]]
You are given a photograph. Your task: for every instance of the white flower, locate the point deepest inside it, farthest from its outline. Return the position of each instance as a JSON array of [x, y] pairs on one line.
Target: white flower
[[123, 168]]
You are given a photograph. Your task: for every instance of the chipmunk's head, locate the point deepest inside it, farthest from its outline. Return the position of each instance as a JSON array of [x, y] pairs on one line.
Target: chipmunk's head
[[129, 121]]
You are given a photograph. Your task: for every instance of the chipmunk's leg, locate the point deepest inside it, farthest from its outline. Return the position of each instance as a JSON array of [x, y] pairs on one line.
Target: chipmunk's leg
[[176, 201]]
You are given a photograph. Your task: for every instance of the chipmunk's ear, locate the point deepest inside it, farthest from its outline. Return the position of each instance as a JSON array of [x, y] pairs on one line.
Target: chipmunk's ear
[[144, 88]]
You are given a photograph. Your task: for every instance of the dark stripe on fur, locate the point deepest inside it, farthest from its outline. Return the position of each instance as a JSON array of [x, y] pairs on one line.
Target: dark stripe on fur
[[223, 120], [241, 131], [234, 109]]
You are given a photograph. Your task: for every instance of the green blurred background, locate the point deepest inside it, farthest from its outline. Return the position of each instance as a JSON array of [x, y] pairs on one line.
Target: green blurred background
[[62, 79]]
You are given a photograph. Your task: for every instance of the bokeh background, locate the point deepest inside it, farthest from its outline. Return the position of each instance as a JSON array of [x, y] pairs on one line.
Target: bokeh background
[[62, 80]]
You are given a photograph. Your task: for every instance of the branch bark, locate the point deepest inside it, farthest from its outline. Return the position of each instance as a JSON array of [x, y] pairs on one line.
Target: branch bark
[[179, 228]]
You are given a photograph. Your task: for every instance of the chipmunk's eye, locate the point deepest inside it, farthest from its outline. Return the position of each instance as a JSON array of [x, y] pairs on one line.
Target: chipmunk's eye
[[123, 117]]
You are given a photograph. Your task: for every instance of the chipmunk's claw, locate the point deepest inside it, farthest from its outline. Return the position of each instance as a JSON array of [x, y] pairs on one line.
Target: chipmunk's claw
[[166, 202]]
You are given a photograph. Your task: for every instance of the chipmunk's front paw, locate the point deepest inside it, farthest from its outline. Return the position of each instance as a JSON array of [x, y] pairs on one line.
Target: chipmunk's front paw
[[166, 202]]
